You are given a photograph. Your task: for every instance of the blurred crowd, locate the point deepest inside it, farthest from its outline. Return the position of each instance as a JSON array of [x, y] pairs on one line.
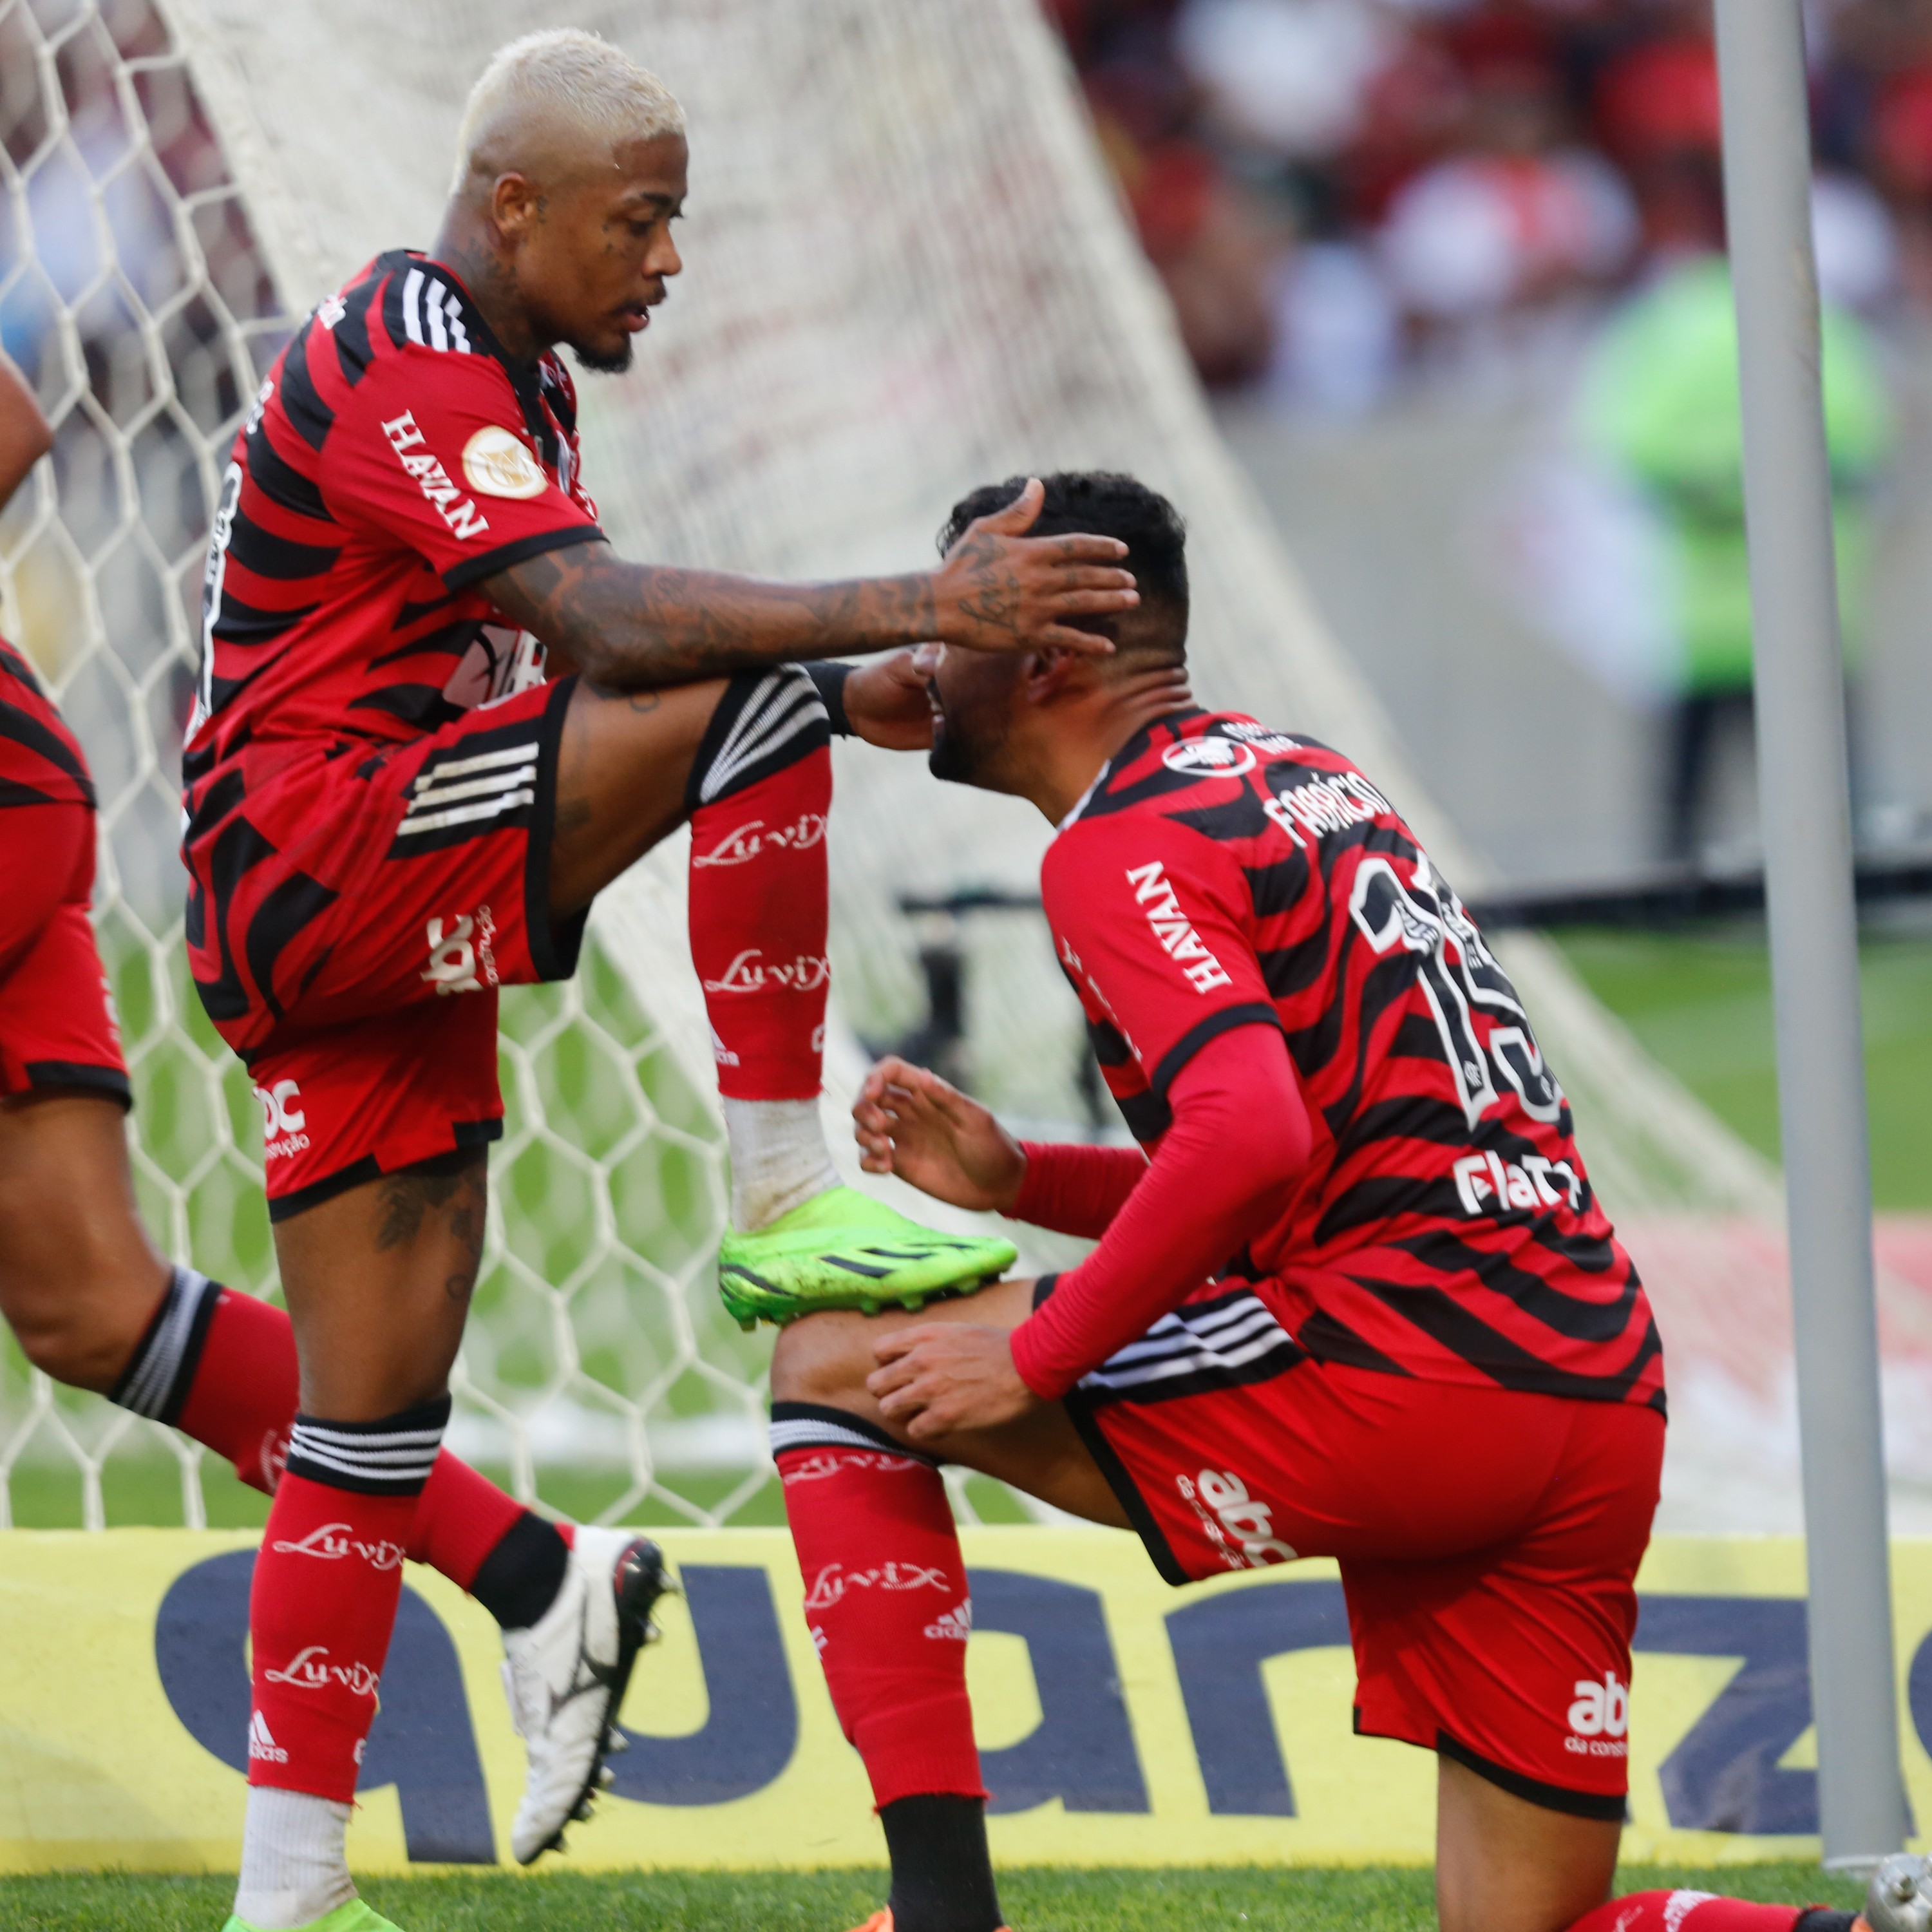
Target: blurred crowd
[[1338, 194]]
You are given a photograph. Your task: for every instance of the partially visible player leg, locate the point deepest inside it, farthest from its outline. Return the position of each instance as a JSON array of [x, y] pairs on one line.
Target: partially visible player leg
[[887, 1603], [1505, 1864], [96, 1307], [81, 1284], [862, 1505], [378, 1281], [78, 1277], [747, 762], [1706, 1912], [759, 794]]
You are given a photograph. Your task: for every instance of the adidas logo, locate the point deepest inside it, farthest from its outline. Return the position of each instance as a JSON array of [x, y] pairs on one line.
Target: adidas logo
[[957, 1622], [261, 1745]]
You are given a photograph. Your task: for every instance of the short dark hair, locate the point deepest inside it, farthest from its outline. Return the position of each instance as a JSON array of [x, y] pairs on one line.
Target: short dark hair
[[1102, 502]]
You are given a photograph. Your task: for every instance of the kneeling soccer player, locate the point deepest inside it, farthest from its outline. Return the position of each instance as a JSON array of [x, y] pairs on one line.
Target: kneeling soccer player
[[1356, 1299], [390, 813], [95, 1305]]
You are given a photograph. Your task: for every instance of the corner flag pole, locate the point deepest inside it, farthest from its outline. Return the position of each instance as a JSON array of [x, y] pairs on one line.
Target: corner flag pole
[[1804, 788]]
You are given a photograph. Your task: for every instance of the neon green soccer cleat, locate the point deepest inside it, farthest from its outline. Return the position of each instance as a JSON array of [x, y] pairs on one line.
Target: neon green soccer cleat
[[356, 1916], [843, 1250]]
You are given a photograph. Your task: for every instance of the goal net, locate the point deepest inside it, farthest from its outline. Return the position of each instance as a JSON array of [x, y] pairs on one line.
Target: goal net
[[907, 274]]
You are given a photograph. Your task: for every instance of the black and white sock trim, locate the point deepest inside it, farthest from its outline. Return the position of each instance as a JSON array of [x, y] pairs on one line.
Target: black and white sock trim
[[160, 1371], [391, 1457], [762, 724], [808, 1425]]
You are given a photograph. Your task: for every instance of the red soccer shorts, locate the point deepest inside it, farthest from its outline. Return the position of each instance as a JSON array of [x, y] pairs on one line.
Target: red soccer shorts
[[354, 966], [57, 1028], [1489, 1540]]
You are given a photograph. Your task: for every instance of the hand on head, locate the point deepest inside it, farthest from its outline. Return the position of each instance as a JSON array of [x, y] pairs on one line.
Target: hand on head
[[999, 590]]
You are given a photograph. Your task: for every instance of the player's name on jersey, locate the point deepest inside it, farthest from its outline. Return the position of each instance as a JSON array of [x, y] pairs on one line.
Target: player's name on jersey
[[1121, 1722]]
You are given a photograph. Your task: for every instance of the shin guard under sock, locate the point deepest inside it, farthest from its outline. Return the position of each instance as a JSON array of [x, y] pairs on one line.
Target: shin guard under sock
[[327, 1582], [886, 1598], [760, 789]]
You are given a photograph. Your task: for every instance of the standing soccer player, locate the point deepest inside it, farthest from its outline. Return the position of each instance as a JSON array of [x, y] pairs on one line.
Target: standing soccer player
[[1428, 1356], [95, 1305], [391, 814]]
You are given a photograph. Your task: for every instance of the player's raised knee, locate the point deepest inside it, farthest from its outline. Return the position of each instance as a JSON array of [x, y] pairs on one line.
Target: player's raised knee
[[825, 1358]]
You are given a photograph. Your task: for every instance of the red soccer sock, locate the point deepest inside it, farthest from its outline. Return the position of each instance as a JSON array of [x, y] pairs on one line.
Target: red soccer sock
[[758, 923], [327, 1582], [461, 1518], [240, 1401], [1687, 1911], [242, 1398], [886, 1598]]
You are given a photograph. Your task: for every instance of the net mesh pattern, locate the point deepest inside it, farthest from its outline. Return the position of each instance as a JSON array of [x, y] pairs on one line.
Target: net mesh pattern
[[907, 275]]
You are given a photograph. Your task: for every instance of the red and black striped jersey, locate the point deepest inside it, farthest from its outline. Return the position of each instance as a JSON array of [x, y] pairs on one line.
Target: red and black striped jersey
[[395, 458], [1219, 875], [40, 760]]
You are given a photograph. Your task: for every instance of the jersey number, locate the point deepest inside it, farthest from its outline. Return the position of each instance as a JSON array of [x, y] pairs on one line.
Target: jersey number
[[1458, 974]]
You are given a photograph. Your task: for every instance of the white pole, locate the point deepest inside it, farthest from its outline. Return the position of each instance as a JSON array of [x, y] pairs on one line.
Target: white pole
[[1806, 809]]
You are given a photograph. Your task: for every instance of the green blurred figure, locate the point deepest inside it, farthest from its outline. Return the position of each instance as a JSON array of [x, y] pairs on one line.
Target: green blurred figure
[[1660, 403]]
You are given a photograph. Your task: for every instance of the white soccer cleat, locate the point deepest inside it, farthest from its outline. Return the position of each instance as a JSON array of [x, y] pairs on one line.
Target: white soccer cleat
[[1900, 1899], [566, 1675]]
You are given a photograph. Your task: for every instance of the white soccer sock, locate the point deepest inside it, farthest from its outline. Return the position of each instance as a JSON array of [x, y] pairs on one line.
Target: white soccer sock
[[779, 1159], [293, 1866]]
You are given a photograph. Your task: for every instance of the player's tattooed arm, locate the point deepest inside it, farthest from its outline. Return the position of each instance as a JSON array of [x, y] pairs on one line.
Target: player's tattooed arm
[[631, 626]]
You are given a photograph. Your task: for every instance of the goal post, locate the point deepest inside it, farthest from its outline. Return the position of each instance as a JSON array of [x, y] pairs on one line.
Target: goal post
[[1804, 797]]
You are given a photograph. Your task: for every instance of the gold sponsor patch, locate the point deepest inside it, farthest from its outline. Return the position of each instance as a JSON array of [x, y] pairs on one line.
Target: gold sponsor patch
[[497, 464]]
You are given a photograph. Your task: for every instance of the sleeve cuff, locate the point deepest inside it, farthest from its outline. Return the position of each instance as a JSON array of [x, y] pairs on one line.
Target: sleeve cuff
[[474, 569], [1032, 1185], [828, 675], [1026, 1341]]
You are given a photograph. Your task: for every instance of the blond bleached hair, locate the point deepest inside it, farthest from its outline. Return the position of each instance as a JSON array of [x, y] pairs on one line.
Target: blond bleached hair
[[566, 78]]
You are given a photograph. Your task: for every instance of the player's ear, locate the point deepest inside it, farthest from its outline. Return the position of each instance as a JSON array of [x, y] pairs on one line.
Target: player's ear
[[1048, 675], [514, 200]]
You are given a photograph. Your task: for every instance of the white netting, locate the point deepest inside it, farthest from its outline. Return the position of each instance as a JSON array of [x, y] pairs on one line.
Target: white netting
[[906, 274]]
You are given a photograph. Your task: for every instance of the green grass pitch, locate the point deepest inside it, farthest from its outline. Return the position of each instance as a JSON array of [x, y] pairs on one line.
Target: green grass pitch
[[1243, 1899], [1699, 1001]]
